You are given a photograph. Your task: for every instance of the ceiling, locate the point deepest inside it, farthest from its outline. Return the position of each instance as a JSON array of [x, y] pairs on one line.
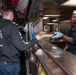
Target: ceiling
[[44, 7], [38, 8]]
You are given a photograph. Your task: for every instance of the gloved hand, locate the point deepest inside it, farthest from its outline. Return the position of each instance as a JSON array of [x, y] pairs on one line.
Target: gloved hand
[[58, 35], [39, 52]]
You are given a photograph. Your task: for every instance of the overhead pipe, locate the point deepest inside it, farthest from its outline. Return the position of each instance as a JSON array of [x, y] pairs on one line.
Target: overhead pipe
[[39, 13], [34, 24], [31, 7]]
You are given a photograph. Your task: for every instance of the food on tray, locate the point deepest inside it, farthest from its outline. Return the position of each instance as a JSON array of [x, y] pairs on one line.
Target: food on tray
[[47, 35]]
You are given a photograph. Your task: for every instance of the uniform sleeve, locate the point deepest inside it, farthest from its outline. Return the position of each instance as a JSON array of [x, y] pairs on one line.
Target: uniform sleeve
[[74, 38], [18, 41]]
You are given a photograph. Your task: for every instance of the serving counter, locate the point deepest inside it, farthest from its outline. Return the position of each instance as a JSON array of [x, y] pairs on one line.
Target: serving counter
[[54, 60]]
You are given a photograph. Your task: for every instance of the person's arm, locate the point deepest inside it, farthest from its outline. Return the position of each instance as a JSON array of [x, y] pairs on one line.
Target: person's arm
[[18, 41], [66, 47], [67, 38]]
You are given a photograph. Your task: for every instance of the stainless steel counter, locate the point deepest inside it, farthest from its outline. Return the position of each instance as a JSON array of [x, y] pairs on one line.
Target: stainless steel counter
[[50, 67], [58, 61]]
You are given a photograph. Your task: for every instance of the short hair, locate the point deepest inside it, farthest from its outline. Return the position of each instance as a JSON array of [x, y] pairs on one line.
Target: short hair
[[6, 12]]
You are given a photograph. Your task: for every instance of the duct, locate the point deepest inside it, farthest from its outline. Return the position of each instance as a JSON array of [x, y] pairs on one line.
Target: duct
[[29, 28], [39, 13], [33, 25], [31, 7]]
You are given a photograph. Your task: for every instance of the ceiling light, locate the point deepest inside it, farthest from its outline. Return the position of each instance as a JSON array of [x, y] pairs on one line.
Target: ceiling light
[[54, 20], [45, 17], [52, 15], [69, 3], [50, 23]]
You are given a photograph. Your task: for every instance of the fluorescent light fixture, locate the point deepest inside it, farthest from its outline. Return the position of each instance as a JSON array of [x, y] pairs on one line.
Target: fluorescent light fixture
[[45, 17], [53, 15], [54, 20], [50, 23], [69, 3]]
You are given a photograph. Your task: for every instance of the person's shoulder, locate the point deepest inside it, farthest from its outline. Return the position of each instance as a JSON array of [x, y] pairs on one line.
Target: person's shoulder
[[11, 26], [8, 23]]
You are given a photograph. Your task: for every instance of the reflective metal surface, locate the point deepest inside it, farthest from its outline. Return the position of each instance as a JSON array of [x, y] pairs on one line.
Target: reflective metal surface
[[62, 58], [50, 67]]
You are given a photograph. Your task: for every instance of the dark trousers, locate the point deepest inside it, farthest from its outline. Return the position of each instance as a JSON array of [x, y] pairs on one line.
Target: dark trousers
[[23, 58], [9, 69]]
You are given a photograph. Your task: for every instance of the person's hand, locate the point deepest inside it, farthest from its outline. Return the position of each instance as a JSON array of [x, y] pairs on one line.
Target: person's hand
[[38, 37], [58, 35], [39, 52]]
